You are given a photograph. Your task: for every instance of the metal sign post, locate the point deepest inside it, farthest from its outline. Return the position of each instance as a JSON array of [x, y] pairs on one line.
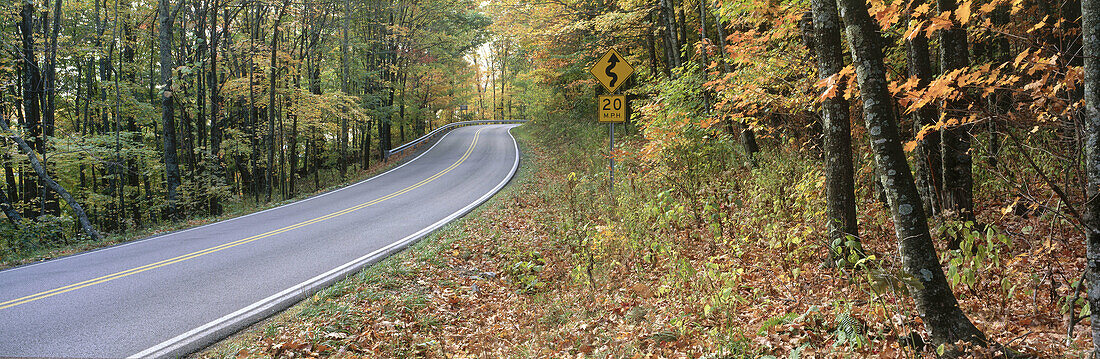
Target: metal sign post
[[612, 109], [611, 70]]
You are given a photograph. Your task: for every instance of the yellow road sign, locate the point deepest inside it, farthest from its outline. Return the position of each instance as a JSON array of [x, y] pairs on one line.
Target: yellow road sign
[[612, 108], [611, 70]]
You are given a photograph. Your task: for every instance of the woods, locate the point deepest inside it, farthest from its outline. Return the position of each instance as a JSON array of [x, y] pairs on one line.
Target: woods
[[143, 114], [799, 177], [956, 129]]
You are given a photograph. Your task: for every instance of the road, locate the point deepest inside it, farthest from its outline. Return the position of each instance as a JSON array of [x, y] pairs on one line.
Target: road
[[176, 293]]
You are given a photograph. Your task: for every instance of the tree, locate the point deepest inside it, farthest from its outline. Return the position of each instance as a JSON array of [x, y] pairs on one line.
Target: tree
[[165, 19], [839, 181], [40, 170], [929, 164], [958, 182], [1090, 24], [31, 100], [935, 302]]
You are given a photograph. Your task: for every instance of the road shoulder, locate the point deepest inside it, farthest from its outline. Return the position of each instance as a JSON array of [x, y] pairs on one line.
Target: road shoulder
[[329, 316]]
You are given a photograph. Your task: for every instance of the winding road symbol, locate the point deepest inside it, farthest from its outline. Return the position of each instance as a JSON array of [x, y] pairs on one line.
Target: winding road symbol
[[612, 61], [611, 70]]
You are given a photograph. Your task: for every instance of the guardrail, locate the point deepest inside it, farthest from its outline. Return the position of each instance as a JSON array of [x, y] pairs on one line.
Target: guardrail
[[450, 126]]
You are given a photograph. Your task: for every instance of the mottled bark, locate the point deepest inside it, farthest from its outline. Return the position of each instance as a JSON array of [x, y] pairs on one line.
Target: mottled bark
[[840, 211], [958, 182], [934, 300], [1090, 21], [929, 165]]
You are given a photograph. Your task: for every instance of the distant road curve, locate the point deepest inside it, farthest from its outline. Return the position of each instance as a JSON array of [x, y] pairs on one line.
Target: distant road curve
[[173, 294]]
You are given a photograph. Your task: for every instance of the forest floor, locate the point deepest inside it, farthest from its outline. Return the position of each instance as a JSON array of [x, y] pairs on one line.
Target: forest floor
[[522, 277], [236, 209]]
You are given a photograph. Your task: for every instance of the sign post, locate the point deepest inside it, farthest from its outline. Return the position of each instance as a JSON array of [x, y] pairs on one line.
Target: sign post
[[611, 70]]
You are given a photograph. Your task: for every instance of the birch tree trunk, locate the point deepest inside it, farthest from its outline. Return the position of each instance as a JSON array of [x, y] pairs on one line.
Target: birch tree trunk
[[935, 302]]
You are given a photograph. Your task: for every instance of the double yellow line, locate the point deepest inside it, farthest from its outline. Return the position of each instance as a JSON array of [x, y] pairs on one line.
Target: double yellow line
[[196, 254]]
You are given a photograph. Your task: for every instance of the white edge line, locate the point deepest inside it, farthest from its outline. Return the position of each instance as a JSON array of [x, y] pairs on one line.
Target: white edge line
[[171, 233], [207, 333]]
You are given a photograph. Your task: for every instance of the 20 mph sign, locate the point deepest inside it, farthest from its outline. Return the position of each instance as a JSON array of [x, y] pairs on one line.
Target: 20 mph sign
[[612, 108]]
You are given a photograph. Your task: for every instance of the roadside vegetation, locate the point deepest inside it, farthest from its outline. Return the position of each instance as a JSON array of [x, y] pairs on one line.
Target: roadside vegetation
[[909, 180], [915, 178], [724, 261]]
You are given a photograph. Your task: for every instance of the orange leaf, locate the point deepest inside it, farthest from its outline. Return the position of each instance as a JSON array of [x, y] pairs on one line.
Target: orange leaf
[[910, 146], [988, 8], [963, 12], [1020, 58], [939, 23], [922, 9], [913, 30]]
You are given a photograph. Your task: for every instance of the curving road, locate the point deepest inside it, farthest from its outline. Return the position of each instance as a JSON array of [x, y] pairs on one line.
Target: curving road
[[175, 293]]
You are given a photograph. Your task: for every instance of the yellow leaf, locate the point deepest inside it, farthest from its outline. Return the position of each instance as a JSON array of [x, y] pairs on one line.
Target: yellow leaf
[[988, 8], [923, 9], [963, 12], [1019, 58], [1017, 5], [1039, 25]]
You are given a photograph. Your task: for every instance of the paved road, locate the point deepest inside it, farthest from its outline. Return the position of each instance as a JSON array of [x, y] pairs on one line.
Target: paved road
[[178, 292]]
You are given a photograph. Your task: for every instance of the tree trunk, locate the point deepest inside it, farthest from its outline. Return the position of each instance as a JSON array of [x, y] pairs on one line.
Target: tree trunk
[[9, 211], [214, 86], [272, 72], [342, 137], [32, 97], [1090, 24], [165, 19], [9, 178], [958, 195], [50, 183], [50, 102], [703, 65], [929, 164], [651, 46], [935, 302], [840, 212], [671, 42]]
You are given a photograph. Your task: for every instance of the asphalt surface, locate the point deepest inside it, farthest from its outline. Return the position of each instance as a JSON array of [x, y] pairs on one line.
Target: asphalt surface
[[175, 293]]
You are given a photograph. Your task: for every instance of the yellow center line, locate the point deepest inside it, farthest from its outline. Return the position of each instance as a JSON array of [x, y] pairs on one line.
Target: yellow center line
[[128, 272]]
